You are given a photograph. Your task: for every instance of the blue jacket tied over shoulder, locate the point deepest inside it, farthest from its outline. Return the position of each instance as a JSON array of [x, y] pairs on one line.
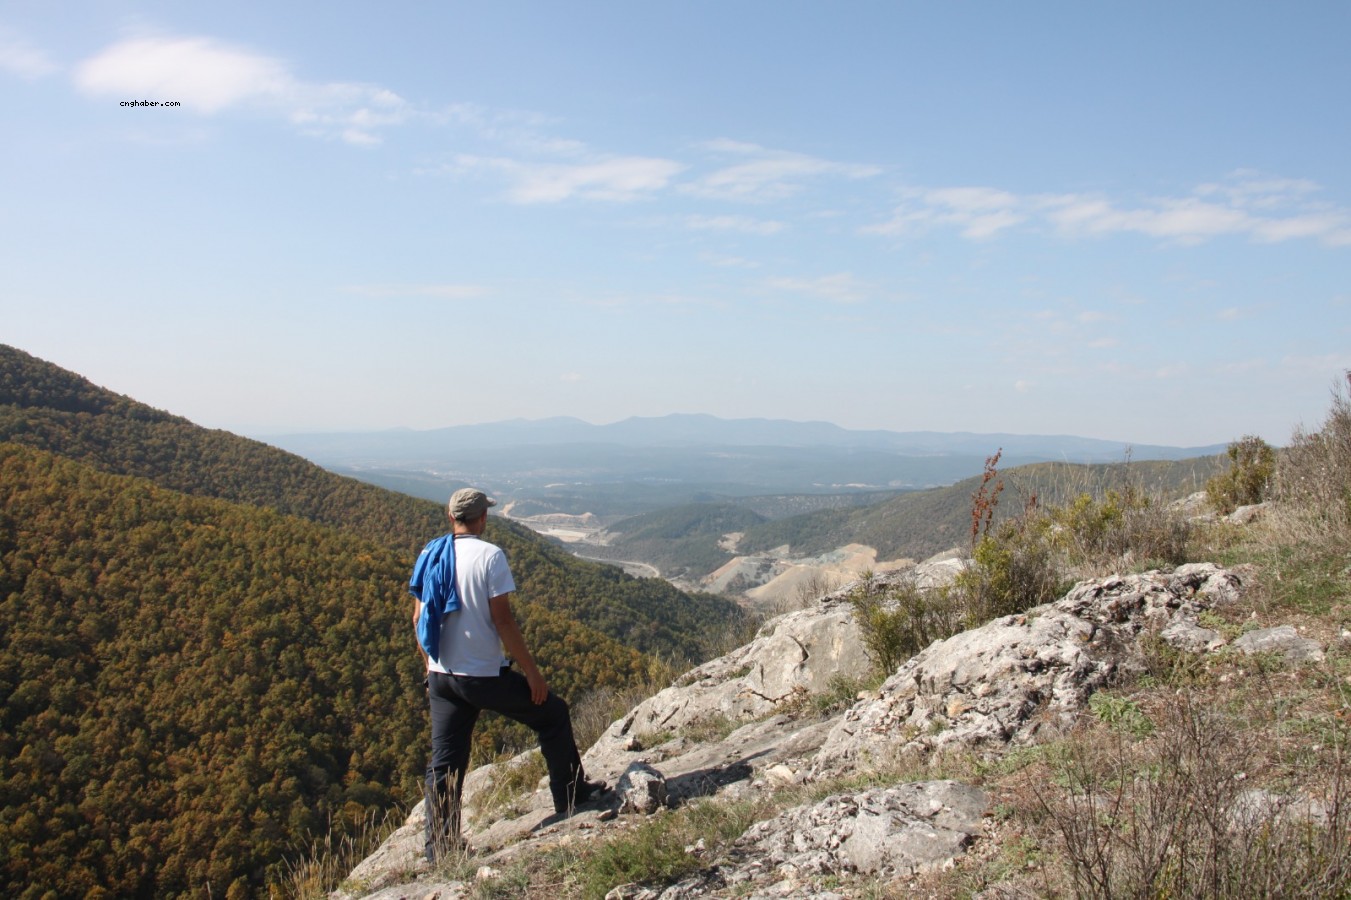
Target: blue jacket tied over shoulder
[[433, 583]]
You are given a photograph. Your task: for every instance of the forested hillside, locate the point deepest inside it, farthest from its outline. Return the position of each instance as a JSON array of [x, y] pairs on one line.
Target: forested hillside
[[191, 685], [44, 406], [207, 657], [919, 524]]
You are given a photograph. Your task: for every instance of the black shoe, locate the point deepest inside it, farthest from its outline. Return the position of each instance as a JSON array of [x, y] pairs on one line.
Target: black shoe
[[589, 790], [582, 792]]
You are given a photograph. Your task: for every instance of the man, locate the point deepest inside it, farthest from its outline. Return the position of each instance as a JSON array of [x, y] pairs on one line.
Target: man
[[467, 672]]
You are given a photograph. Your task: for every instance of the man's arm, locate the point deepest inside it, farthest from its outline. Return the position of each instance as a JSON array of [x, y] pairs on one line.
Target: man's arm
[[417, 613], [510, 633]]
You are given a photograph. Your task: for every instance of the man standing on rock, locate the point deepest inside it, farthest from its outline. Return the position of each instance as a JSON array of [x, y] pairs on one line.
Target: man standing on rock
[[466, 671]]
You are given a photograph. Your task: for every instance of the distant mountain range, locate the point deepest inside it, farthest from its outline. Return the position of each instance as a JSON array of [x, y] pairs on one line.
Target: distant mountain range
[[695, 430], [674, 459]]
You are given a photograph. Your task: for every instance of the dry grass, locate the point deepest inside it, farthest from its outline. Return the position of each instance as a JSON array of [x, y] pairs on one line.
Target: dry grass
[[328, 861]]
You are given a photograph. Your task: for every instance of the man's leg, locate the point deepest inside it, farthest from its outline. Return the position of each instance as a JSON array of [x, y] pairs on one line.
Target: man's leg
[[452, 731], [509, 694]]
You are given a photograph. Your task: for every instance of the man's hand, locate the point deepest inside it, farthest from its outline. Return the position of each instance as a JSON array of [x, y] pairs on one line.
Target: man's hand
[[510, 633], [539, 688]]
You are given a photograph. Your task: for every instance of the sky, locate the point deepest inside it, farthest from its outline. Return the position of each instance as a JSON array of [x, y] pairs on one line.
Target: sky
[[1126, 221]]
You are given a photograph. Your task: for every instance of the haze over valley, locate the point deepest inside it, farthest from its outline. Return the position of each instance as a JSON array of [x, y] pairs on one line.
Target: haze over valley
[[738, 507]]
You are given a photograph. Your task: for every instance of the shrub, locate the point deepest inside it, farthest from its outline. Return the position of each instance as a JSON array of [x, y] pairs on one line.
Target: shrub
[[897, 621], [1176, 815], [1121, 713], [1313, 477], [1013, 570], [1251, 465], [1123, 525], [330, 858]]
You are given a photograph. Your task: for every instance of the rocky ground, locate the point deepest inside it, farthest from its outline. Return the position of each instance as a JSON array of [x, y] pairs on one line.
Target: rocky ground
[[768, 720]]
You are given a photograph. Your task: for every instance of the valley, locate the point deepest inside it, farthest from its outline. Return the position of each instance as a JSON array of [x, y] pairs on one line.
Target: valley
[[759, 511]]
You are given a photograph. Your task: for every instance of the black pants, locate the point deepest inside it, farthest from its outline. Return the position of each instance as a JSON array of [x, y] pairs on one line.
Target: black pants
[[456, 701]]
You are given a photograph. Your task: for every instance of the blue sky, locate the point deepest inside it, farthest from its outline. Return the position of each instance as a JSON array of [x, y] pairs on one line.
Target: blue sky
[[1126, 221]]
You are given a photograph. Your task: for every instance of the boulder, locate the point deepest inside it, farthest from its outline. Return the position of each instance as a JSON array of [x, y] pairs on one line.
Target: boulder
[[796, 654], [1009, 679], [1246, 515], [641, 789], [1283, 639]]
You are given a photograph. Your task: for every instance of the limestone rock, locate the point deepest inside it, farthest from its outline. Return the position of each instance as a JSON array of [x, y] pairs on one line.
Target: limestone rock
[[1283, 639], [892, 831], [793, 655], [1012, 677], [1246, 515], [1195, 505], [641, 789], [433, 890], [1010, 681]]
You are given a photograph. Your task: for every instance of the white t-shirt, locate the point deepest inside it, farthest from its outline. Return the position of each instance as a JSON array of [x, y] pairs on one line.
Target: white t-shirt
[[469, 641]]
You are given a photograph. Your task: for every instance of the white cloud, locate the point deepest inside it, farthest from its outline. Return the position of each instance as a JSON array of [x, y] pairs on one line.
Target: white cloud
[[207, 77], [1250, 189], [21, 58], [200, 73], [972, 199], [1266, 210], [980, 212], [617, 179], [1188, 220], [767, 174]]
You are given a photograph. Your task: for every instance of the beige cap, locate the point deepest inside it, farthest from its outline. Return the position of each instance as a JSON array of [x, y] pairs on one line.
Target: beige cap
[[467, 504]]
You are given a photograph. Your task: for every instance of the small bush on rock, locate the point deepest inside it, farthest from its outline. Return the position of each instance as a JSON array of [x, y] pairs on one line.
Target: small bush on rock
[[1251, 465], [899, 620], [1014, 570]]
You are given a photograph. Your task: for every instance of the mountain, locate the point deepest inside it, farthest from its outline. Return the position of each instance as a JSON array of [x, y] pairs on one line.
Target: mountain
[[691, 542], [684, 430], [206, 660], [570, 465]]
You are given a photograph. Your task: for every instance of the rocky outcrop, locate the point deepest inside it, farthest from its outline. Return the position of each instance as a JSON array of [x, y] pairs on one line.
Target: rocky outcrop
[[1010, 679], [744, 725]]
